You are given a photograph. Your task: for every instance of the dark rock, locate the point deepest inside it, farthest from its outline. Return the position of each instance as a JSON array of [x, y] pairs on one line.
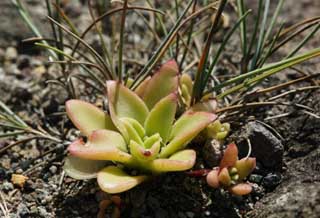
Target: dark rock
[[299, 193], [271, 180], [255, 178], [267, 148], [212, 152], [23, 62], [2, 173]]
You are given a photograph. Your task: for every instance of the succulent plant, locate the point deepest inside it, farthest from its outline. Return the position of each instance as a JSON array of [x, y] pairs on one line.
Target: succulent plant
[[140, 132], [231, 172], [218, 130]]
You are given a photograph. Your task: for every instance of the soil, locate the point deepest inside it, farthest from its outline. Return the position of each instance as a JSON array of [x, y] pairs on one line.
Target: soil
[[286, 180]]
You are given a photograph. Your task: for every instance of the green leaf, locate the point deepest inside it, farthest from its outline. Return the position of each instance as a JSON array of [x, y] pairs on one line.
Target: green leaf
[[101, 145], [180, 161], [125, 103], [161, 117], [224, 177], [245, 166], [144, 154], [113, 180], [162, 83], [188, 126], [132, 132], [80, 169], [87, 117]]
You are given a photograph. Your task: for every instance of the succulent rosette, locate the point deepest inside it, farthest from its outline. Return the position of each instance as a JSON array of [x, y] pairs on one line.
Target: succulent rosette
[[140, 132], [231, 172]]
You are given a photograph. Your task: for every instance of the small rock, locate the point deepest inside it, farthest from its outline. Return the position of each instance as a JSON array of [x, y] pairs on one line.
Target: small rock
[[267, 148], [22, 210], [53, 169], [271, 180], [212, 152], [11, 54], [2, 173], [255, 178], [42, 212], [23, 62], [7, 186]]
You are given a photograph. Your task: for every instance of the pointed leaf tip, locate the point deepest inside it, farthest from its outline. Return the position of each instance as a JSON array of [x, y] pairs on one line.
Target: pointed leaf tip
[[125, 103], [188, 126], [230, 156], [87, 117], [162, 83], [161, 117], [224, 177], [113, 180]]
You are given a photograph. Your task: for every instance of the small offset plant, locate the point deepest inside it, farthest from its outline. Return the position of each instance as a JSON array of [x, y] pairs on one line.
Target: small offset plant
[[231, 172], [140, 133]]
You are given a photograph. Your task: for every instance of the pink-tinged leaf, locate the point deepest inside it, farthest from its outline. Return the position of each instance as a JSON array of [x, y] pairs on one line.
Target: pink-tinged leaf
[[113, 180], [224, 177], [161, 117], [162, 83], [87, 117], [230, 156], [144, 154], [140, 90], [81, 169], [245, 166], [212, 178], [125, 103], [241, 189], [206, 106], [188, 126], [101, 145], [180, 161]]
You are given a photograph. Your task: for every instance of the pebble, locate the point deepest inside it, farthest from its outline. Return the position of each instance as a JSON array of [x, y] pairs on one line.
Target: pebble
[[11, 53], [255, 178], [7, 186], [271, 180], [42, 212], [53, 169], [22, 210]]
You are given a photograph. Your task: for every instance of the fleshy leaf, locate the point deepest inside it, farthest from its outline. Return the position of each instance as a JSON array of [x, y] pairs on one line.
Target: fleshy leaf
[[212, 178], [87, 117], [140, 90], [143, 154], [188, 126], [180, 161], [113, 180], [161, 117], [149, 141], [186, 80], [101, 145], [224, 177], [79, 168], [241, 189], [162, 83], [245, 166], [131, 131], [125, 103], [206, 106], [230, 156]]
